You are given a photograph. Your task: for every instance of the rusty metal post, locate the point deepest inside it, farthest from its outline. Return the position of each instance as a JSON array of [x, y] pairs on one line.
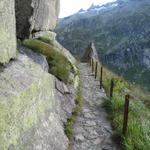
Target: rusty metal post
[[96, 70], [111, 88], [92, 65], [126, 111], [101, 78]]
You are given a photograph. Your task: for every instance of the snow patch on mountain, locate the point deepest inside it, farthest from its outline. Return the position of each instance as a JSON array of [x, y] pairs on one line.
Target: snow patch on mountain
[[97, 8]]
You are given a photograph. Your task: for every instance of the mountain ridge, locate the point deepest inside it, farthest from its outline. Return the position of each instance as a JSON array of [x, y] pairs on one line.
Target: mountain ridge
[[120, 34]]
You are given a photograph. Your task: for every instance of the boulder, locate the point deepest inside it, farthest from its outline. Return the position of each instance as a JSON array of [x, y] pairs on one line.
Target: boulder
[[33, 16], [28, 108], [65, 96], [51, 39], [26, 92], [36, 57], [7, 31]]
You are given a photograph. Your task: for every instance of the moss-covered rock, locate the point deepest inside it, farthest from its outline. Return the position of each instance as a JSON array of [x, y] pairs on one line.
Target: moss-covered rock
[[26, 94], [50, 38], [60, 66], [49, 35]]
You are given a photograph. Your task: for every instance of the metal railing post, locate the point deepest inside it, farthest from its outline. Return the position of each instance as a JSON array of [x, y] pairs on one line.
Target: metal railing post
[[92, 65], [126, 111], [111, 88], [101, 77], [96, 70]]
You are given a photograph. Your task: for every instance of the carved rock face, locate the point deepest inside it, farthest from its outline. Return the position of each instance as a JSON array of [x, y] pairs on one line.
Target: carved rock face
[[7, 31], [33, 16]]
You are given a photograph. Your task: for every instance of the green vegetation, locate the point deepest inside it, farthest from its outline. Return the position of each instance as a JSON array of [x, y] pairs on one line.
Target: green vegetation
[[138, 74], [46, 39], [59, 64], [137, 137], [115, 31], [71, 120], [138, 134]]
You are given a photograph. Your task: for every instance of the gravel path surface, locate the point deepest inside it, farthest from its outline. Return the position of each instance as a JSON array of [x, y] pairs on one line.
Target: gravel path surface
[[92, 130]]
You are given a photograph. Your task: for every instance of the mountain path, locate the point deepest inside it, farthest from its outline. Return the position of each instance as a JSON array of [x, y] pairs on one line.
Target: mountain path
[[92, 130]]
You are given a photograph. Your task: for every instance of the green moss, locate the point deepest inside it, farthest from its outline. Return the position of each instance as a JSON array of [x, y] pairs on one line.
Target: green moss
[[53, 43], [59, 64], [46, 39], [8, 44], [69, 127]]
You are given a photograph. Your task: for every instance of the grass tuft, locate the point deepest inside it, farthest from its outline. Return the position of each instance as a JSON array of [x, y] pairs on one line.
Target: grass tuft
[[77, 109], [138, 134], [59, 64]]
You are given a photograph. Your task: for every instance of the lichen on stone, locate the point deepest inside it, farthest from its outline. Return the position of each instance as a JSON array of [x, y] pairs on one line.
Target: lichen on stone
[[24, 99], [7, 31]]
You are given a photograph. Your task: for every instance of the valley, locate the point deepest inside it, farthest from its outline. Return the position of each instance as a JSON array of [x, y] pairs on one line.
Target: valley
[[120, 31]]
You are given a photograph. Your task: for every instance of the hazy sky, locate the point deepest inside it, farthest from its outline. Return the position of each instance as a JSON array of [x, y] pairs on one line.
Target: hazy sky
[[69, 7]]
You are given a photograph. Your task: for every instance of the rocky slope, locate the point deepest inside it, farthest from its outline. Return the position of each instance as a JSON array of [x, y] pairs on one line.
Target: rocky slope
[[34, 103], [120, 31]]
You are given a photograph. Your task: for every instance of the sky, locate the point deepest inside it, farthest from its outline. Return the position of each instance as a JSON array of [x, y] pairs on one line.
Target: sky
[[69, 7]]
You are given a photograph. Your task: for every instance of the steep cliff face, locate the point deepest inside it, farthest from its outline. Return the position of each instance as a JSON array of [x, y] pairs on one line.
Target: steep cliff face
[[33, 16], [120, 31], [34, 104], [7, 31]]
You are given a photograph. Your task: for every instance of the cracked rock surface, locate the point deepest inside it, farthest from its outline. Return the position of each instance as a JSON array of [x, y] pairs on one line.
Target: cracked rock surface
[[7, 31], [35, 15]]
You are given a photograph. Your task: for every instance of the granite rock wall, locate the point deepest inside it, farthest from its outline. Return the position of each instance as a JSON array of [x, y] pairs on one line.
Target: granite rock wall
[[34, 16], [7, 31]]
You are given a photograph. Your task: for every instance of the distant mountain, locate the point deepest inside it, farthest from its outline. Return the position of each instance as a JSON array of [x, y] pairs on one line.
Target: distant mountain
[[121, 32]]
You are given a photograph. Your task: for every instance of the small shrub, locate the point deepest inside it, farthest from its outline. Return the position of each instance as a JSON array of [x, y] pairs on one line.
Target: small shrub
[[69, 127]]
